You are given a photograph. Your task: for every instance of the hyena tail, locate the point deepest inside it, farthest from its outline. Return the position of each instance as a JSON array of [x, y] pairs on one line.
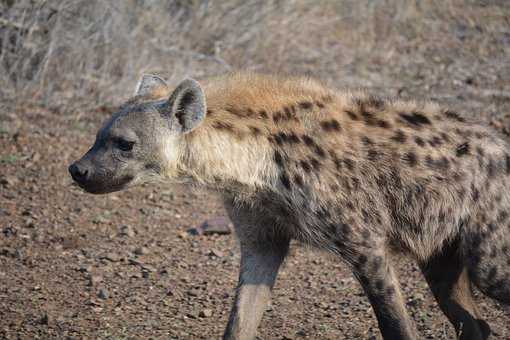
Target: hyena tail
[[487, 259]]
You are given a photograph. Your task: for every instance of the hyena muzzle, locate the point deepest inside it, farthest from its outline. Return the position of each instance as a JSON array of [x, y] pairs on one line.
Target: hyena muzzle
[[346, 172]]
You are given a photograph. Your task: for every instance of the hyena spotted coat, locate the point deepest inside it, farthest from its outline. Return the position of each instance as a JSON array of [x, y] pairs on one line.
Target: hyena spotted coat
[[353, 174]]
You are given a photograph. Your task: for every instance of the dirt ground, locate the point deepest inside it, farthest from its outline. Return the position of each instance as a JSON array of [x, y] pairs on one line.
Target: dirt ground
[[123, 266]]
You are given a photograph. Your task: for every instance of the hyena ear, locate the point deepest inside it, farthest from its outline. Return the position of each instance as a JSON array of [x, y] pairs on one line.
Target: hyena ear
[[150, 85], [186, 106]]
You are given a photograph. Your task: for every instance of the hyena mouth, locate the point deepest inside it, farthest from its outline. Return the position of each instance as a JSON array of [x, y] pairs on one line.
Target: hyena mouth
[[105, 187]]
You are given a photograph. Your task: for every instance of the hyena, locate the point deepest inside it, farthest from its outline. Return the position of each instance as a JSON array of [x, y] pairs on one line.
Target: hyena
[[356, 175]]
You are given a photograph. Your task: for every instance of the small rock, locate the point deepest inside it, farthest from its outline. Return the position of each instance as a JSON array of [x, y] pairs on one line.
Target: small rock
[[103, 294], [113, 257], [85, 268], [141, 251], [148, 268], [8, 181], [205, 313], [45, 319], [193, 292], [127, 231], [135, 262], [95, 279], [215, 253]]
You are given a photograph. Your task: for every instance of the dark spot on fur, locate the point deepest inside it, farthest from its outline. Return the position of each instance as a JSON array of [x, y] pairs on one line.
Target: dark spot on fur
[[454, 115], [278, 158], [373, 155], [345, 229], [299, 180], [410, 158], [493, 272], [352, 115], [306, 166], [277, 139], [338, 163], [383, 124], [355, 183], [319, 104], [305, 105], [330, 125], [277, 117], [308, 140], [366, 141], [223, 126], [399, 137], [379, 285], [255, 131], [462, 149], [491, 168], [362, 261], [288, 112], [419, 141], [445, 137], [320, 151], [435, 141], [285, 181], [480, 151], [210, 112], [441, 163], [369, 118], [290, 138], [349, 163], [349, 205], [316, 165], [415, 119], [263, 114]]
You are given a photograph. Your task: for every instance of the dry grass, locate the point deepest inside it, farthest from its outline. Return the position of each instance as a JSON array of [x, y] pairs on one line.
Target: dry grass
[[80, 53]]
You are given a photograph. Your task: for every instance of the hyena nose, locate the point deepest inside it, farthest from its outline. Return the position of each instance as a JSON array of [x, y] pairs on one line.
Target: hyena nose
[[79, 174]]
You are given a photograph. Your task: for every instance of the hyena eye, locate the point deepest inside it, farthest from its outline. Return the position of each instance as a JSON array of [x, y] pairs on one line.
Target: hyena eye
[[124, 145]]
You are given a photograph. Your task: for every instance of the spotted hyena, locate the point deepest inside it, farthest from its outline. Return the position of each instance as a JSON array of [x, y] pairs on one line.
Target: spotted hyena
[[347, 172]]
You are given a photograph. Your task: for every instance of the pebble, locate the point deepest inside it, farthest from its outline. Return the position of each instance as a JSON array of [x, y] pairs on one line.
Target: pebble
[[95, 279], [113, 257], [205, 313], [103, 294], [216, 253], [141, 251], [127, 231], [45, 319]]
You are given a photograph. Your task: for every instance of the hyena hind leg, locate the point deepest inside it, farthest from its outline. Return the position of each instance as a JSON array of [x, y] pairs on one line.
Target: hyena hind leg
[[488, 260], [449, 282], [374, 271]]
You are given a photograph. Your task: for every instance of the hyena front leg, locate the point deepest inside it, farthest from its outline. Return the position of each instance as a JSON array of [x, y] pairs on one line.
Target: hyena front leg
[[374, 271], [259, 267], [262, 254], [448, 279]]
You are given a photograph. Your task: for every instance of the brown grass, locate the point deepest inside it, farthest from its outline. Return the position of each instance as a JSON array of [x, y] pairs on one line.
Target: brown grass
[[81, 53]]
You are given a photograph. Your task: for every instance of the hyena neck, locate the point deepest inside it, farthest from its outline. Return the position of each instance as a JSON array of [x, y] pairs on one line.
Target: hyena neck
[[221, 160]]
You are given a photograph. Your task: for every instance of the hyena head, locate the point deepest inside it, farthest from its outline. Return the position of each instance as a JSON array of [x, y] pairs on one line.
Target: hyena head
[[140, 142]]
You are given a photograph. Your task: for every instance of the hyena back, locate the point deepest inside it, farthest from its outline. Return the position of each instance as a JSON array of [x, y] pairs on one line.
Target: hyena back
[[356, 175]]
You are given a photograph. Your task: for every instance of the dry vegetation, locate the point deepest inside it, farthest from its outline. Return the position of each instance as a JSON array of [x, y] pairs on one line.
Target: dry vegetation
[[72, 266], [72, 53]]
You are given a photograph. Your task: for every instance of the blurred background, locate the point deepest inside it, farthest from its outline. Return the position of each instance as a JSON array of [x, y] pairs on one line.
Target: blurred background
[[71, 53], [131, 265]]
